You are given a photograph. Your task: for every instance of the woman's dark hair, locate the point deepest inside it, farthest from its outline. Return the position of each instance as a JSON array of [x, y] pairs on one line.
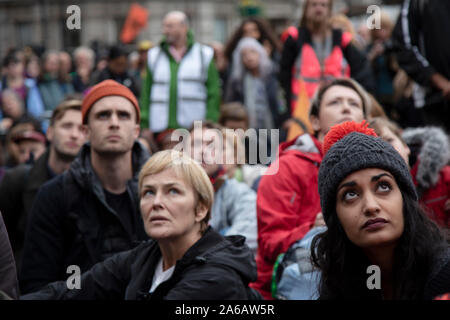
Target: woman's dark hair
[[265, 31], [344, 265]]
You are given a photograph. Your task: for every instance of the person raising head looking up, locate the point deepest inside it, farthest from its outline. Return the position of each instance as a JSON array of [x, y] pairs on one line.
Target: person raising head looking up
[[370, 206]]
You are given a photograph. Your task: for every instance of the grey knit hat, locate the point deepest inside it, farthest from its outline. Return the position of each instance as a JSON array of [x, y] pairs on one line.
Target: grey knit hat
[[350, 147]]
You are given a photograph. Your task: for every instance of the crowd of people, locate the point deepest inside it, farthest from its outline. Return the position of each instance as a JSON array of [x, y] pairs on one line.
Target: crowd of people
[[92, 174]]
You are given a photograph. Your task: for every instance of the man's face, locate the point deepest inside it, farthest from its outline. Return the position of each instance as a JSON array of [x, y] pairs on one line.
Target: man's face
[[339, 104], [318, 11], [112, 127], [52, 63], [174, 29], [67, 134]]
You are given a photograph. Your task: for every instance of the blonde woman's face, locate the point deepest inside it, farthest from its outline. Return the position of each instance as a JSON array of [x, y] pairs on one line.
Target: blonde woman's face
[[168, 207]]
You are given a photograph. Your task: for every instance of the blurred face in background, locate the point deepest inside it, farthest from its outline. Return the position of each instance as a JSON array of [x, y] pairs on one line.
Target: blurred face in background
[[51, 63], [389, 136], [250, 29], [65, 62], [67, 135], [175, 28], [11, 104], [33, 67], [250, 59], [318, 11], [15, 68]]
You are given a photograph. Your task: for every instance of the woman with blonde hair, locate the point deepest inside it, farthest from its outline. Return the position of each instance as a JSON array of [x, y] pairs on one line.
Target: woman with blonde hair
[[186, 259]]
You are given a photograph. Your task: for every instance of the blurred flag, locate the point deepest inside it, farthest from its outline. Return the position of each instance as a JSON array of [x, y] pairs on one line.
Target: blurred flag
[[135, 22]]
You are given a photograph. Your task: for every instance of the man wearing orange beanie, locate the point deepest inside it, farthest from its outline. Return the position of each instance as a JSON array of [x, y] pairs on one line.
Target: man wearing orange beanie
[[91, 211]]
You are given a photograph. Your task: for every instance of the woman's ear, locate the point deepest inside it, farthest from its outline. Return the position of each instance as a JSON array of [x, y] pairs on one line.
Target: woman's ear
[[315, 123], [200, 212]]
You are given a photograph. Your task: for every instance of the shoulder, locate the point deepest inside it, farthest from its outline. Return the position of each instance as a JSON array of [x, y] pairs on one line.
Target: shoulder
[[16, 175]]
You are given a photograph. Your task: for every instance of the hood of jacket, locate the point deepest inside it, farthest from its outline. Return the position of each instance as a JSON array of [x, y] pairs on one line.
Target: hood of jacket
[[433, 155], [305, 146], [83, 173]]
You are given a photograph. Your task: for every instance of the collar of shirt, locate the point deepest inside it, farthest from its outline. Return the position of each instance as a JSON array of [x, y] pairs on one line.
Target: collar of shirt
[[177, 54]]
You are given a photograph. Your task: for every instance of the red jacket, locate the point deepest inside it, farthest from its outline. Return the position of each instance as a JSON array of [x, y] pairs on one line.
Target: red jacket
[[431, 173], [287, 203], [434, 198]]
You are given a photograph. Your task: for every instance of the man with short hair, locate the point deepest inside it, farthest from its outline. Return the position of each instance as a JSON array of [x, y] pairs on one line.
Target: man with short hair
[[20, 184], [182, 83], [91, 211]]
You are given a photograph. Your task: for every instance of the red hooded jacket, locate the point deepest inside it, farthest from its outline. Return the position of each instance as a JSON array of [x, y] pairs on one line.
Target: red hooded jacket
[[287, 203]]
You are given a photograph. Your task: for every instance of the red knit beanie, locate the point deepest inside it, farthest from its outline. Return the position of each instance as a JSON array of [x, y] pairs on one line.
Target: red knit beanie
[[108, 88]]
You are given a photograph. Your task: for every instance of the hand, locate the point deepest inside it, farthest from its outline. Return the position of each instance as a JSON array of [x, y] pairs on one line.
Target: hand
[[319, 220], [442, 84]]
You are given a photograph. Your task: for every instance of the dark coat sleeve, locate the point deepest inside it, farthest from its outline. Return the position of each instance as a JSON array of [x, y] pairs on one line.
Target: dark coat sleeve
[[105, 280], [8, 275], [359, 67], [208, 282], [43, 253], [406, 37], [11, 191], [288, 56]]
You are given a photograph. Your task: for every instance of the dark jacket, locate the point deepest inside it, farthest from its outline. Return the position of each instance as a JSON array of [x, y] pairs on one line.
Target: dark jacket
[[438, 282], [72, 224], [17, 192], [214, 268], [419, 40], [8, 275], [359, 66]]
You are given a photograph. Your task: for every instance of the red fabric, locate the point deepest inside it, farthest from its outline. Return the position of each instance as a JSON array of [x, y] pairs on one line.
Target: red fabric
[[339, 131], [287, 205], [434, 199], [290, 31], [311, 69]]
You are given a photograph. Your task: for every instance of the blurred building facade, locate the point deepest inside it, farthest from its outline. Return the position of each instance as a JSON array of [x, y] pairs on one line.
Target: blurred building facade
[[43, 22]]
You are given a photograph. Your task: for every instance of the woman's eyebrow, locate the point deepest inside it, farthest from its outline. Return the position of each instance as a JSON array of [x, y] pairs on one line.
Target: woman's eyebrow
[[347, 184], [377, 177], [169, 184]]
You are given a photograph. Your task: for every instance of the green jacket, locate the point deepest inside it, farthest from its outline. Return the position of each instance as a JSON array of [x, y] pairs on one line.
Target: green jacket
[[212, 85]]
